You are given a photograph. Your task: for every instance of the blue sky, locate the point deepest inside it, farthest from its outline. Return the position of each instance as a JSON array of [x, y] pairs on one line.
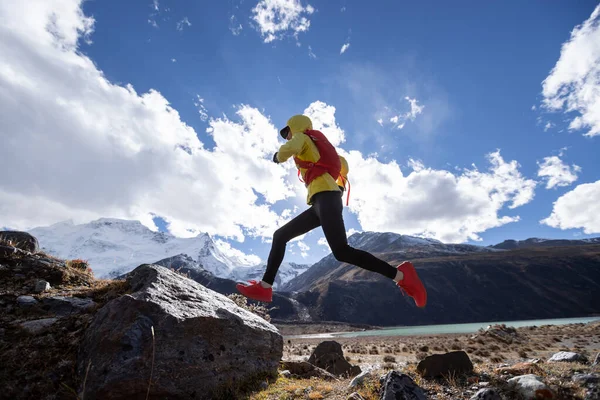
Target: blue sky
[[441, 109]]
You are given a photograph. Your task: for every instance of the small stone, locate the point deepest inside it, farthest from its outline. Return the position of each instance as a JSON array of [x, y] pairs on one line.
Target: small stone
[[586, 378], [395, 385], [486, 394], [484, 384], [264, 385], [567, 356], [355, 396], [41, 286], [38, 325], [359, 379], [26, 301], [285, 373], [531, 387], [61, 305]]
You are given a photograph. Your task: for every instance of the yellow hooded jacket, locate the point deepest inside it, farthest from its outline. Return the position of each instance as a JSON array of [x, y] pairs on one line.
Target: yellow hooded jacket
[[301, 146]]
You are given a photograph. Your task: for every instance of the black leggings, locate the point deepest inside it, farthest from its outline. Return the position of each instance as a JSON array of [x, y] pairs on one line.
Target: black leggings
[[326, 211]]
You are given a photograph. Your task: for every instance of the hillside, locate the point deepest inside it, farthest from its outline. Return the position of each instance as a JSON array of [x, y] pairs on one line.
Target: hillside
[[539, 282]]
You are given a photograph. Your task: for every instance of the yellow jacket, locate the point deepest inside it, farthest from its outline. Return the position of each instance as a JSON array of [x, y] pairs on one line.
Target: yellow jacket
[[301, 146]]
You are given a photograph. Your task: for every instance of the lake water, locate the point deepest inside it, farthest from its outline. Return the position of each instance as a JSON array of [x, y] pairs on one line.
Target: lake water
[[442, 329]]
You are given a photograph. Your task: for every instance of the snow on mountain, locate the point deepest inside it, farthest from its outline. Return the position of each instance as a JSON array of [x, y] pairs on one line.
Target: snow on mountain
[[287, 271], [114, 247]]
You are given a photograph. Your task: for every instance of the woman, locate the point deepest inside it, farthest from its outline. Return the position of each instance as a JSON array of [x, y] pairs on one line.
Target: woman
[[324, 173]]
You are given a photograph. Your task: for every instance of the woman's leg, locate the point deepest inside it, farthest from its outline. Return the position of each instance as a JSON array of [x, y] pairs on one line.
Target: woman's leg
[[328, 207], [303, 223]]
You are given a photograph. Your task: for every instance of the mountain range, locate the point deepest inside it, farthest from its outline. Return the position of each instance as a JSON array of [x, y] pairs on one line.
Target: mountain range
[[529, 279], [114, 247]]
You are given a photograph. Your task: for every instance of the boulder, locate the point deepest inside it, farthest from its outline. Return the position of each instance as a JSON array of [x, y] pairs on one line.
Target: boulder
[[330, 356], [20, 240], [486, 394], [439, 365], [61, 305], [304, 370], [531, 387], [396, 386], [567, 356], [189, 340]]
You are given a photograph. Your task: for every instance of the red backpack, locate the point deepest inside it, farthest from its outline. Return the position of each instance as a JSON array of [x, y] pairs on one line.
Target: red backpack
[[329, 160]]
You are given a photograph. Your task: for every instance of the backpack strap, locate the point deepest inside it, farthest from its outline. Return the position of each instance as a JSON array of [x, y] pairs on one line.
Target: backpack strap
[[346, 180]]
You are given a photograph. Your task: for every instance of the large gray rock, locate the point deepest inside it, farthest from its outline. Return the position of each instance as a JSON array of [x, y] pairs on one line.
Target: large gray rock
[[437, 365], [567, 356], [397, 386], [530, 386], [61, 305], [194, 342], [20, 240], [330, 356], [486, 394]]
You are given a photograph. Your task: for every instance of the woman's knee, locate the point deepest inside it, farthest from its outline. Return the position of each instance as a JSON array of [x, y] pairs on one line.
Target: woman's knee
[[342, 253], [280, 236]]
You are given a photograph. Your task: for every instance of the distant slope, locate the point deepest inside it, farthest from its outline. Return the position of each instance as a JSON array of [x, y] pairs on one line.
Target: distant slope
[[536, 242], [539, 282]]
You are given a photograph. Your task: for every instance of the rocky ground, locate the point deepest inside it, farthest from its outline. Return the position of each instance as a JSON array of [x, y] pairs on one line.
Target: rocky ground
[[497, 355], [54, 312]]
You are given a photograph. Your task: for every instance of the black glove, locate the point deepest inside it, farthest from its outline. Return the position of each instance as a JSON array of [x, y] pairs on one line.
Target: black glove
[[275, 160]]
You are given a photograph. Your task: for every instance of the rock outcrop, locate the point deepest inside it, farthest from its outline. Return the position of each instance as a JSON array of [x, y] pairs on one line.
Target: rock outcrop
[[177, 338], [440, 365], [21, 240]]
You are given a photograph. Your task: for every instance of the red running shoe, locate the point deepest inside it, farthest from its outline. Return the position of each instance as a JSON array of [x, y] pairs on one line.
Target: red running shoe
[[255, 291], [411, 284]]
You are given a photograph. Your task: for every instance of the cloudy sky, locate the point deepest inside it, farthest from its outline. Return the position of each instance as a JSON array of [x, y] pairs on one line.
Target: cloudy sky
[[475, 122]]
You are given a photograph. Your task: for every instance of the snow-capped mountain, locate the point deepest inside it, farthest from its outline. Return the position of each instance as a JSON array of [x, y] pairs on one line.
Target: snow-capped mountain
[[114, 247], [287, 271]]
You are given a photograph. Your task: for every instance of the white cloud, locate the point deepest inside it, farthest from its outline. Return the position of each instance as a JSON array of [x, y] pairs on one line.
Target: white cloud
[[311, 54], [174, 60], [323, 119], [548, 125], [380, 121], [351, 232], [556, 173], [155, 5], [436, 203], [199, 103], [274, 18], [578, 208], [153, 23], [181, 24], [343, 9], [234, 26], [304, 248], [235, 254], [97, 149], [574, 82], [344, 48], [400, 119], [323, 242]]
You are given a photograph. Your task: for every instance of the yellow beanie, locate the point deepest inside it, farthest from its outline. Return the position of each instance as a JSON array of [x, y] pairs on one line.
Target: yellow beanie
[[299, 123]]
